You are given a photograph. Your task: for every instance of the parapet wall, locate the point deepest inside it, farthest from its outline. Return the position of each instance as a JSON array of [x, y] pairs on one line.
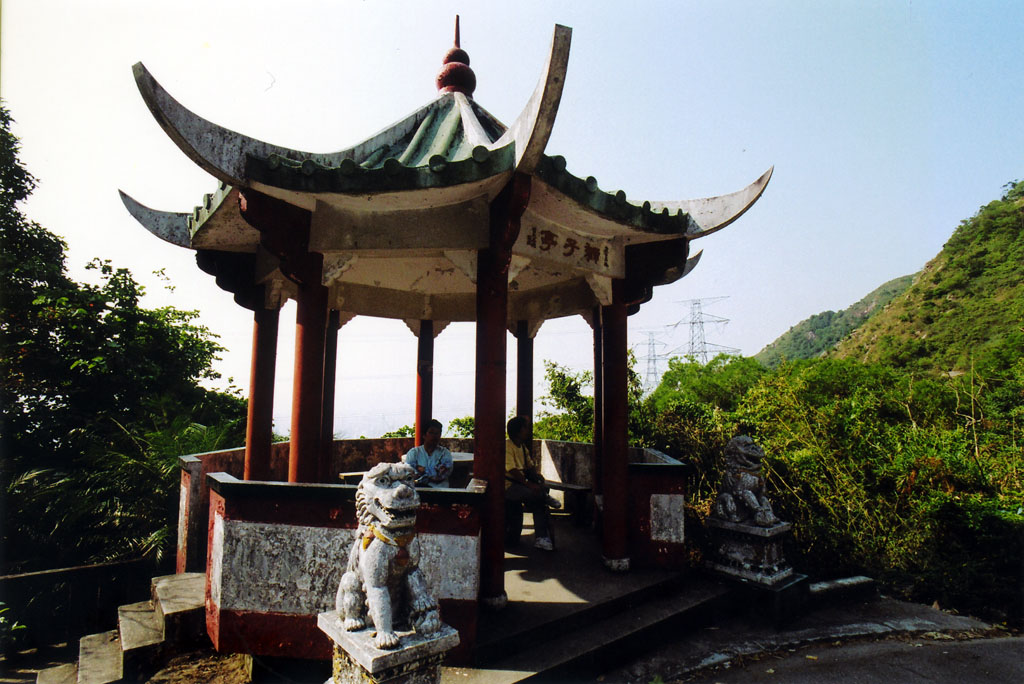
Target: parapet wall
[[277, 552], [193, 507]]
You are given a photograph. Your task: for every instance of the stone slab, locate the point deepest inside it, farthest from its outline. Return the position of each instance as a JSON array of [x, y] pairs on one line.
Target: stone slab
[[746, 528], [99, 658], [360, 648], [180, 593], [61, 674], [140, 625]]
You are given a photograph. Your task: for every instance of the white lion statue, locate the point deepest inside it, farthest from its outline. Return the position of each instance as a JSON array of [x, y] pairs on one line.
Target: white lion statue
[[383, 578]]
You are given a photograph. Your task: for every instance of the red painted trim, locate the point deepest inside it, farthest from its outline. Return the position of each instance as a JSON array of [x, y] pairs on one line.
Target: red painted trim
[[291, 512], [458, 519], [270, 634], [181, 556], [212, 609], [644, 551], [462, 615], [297, 636]]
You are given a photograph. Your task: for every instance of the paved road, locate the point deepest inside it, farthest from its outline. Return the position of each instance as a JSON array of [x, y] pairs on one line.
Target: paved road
[[905, 660]]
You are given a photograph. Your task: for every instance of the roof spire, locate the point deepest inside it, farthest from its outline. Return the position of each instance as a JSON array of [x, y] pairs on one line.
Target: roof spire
[[455, 75]]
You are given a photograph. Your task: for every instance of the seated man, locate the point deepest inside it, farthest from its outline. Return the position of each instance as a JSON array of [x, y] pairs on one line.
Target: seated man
[[433, 462], [523, 482]]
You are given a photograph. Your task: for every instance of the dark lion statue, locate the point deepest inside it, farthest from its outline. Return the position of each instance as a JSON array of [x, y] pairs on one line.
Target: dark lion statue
[[741, 497]]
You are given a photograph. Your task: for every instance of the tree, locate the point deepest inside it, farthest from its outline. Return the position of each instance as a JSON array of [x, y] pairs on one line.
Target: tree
[[573, 417], [721, 382], [98, 395], [464, 427]]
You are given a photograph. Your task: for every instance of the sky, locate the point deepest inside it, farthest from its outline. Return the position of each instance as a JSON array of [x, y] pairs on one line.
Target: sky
[[887, 124]]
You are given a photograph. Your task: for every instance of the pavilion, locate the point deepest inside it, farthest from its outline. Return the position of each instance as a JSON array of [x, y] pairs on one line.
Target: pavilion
[[447, 215]]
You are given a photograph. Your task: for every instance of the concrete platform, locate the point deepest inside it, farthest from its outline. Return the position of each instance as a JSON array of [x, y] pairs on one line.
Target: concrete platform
[[569, 618]]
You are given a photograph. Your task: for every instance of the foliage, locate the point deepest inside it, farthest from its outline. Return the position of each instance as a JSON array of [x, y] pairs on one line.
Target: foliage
[[573, 417], [464, 427], [720, 383], [98, 397], [821, 332], [900, 455], [881, 472], [11, 630], [404, 431], [966, 309]]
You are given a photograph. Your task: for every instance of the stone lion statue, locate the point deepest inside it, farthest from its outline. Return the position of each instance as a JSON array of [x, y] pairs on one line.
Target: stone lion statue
[[741, 497], [383, 580]]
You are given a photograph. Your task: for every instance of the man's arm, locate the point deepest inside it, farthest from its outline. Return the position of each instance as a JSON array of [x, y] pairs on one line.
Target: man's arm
[[410, 459], [444, 465]]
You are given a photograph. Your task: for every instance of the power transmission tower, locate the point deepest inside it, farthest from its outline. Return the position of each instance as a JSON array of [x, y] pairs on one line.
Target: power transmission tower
[[651, 379], [700, 348]]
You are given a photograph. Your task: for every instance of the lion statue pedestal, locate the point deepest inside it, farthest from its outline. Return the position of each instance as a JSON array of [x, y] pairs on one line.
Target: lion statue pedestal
[[746, 536], [386, 626]]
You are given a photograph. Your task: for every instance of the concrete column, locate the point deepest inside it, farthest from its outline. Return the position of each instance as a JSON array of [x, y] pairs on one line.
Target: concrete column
[[308, 390], [260, 423], [327, 412], [615, 474], [524, 371], [424, 378], [491, 319]]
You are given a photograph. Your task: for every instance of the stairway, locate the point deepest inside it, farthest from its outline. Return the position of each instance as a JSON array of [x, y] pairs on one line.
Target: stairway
[[581, 645], [147, 634]]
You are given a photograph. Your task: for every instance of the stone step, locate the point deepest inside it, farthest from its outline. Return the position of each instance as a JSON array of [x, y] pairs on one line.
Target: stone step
[[59, 674], [583, 653], [99, 658], [499, 644], [180, 600], [142, 639]]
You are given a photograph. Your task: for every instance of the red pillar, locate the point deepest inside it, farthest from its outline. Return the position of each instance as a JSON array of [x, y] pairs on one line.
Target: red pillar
[[259, 427], [615, 489], [326, 474], [491, 316], [598, 403], [524, 371], [424, 378], [308, 390]]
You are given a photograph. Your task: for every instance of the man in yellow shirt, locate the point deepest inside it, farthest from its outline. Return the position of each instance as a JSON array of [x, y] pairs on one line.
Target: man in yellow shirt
[[523, 482]]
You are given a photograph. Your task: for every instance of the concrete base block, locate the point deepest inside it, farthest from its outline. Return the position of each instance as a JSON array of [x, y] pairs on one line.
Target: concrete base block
[[356, 660], [748, 552]]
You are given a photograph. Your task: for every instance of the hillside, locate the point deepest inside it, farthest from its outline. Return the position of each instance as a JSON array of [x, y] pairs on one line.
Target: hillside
[[821, 332], [966, 308]]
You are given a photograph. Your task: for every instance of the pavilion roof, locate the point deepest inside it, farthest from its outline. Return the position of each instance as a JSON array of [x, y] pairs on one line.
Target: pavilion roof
[[399, 216]]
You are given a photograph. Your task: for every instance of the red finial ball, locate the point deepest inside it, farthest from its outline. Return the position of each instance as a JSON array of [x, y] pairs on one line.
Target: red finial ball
[[456, 76]]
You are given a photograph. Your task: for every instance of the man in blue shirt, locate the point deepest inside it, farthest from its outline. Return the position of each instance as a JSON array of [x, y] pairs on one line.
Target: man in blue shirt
[[433, 463]]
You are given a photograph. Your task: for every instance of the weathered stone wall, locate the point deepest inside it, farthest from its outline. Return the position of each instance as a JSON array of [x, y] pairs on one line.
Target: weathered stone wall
[[349, 455], [277, 553], [568, 462]]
